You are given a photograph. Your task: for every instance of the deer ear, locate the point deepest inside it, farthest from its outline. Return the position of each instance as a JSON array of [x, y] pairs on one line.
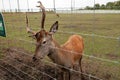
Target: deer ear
[[54, 27], [37, 35]]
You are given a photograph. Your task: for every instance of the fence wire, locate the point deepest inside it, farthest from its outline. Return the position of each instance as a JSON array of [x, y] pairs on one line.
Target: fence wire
[[63, 32], [11, 57], [30, 66], [98, 58], [89, 75], [11, 72], [95, 35], [90, 56], [19, 70]]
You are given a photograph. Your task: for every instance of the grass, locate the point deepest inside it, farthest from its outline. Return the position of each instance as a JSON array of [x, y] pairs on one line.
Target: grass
[[100, 24]]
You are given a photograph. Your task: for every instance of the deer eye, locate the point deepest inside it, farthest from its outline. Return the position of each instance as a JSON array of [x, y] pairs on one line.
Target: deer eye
[[44, 42]]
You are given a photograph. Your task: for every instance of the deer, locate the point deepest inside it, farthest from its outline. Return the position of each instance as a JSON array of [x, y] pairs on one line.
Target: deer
[[68, 54]]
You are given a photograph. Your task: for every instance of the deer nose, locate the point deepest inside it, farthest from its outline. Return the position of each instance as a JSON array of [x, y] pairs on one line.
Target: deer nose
[[34, 58]]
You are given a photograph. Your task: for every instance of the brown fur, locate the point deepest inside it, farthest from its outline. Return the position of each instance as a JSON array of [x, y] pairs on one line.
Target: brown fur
[[70, 52]]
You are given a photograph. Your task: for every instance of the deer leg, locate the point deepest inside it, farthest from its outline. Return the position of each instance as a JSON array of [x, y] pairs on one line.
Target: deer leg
[[69, 74], [80, 68], [63, 75]]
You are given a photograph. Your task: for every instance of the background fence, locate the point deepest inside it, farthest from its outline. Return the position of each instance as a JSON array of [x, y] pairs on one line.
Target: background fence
[[74, 6], [63, 10]]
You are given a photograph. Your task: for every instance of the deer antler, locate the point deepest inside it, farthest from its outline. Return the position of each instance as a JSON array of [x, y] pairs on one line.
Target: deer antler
[[43, 14], [27, 26]]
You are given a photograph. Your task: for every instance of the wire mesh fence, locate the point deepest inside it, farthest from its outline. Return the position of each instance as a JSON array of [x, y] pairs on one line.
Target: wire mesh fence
[[74, 6], [64, 10], [101, 54]]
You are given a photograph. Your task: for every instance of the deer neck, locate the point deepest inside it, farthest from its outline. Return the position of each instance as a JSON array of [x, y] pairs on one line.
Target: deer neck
[[55, 53]]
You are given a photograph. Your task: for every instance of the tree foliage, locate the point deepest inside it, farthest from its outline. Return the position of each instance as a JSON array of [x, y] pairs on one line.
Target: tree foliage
[[108, 6], [97, 6]]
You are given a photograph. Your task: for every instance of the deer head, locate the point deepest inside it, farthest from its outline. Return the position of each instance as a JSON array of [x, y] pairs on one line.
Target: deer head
[[43, 38]]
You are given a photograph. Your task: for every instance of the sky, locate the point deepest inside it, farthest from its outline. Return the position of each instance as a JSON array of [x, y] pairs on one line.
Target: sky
[[12, 4]]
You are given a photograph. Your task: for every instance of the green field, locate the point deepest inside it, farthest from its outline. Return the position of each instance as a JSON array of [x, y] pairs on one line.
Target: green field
[[101, 33]]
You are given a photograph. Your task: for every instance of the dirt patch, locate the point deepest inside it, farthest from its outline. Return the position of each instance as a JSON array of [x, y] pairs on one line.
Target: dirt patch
[[18, 65]]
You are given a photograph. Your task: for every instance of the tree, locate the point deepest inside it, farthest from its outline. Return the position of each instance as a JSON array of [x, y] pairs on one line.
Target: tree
[[88, 8], [110, 5], [97, 6], [102, 6], [117, 5]]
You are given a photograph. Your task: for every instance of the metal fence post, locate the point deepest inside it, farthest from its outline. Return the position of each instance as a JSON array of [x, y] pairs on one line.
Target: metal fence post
[[93, 42], [118, 44]]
